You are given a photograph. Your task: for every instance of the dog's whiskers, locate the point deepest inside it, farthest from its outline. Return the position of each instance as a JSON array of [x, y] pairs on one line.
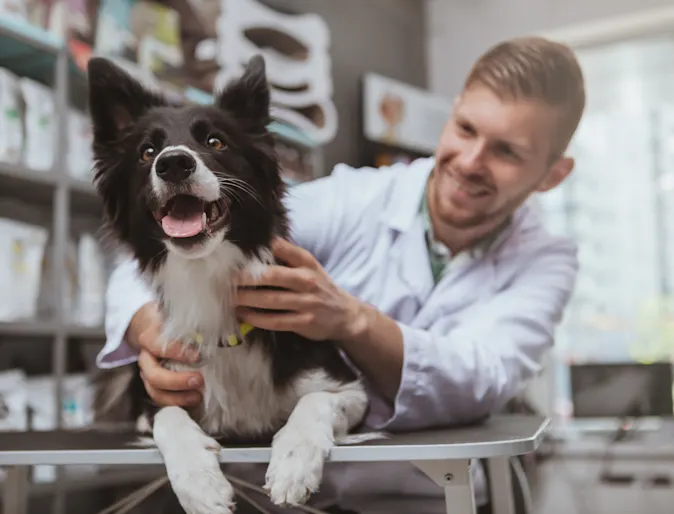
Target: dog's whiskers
[[232, 184]]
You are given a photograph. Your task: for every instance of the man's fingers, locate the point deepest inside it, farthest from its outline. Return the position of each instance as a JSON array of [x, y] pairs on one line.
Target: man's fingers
[[283, 322], [167, 398], [292, 255], [294, 279], [273, 300], [149, 340], [162, 378]]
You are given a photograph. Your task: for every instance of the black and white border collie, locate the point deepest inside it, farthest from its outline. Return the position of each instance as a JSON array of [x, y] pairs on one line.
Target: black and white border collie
[[195, 194]]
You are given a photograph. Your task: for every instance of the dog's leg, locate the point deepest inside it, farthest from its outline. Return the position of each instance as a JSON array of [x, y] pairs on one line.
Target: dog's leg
[[191, 459], [300, 448]]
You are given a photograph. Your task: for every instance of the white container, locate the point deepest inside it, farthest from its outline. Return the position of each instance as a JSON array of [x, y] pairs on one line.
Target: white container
[[22, 248], [11, 119], [39, 147]]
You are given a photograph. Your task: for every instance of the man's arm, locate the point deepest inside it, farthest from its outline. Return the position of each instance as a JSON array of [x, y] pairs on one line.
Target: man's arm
[[126, 294], [441, 379], [429, 378]]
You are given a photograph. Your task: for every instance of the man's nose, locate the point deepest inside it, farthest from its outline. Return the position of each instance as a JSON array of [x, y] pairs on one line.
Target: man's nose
[[471, 157]]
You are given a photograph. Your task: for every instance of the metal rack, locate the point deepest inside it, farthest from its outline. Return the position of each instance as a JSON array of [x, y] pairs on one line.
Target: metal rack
[[31, 52]]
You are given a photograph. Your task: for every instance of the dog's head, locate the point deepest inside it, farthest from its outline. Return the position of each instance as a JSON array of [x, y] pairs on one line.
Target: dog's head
[[185, 178]]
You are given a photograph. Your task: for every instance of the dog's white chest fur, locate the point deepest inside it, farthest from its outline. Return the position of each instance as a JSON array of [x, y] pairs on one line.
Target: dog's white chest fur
[[239, 393], [197, 293]]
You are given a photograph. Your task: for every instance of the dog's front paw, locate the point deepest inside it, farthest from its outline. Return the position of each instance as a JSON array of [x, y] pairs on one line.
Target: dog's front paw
[[198, 482], [296, 465]]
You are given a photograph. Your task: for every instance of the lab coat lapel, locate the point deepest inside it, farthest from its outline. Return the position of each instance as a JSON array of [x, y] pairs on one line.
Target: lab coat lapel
[[465, 283], [408, 254], [469, 280]]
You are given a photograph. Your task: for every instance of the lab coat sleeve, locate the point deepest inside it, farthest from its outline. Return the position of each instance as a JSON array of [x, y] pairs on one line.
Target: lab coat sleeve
[[474, 370], [126, 293]]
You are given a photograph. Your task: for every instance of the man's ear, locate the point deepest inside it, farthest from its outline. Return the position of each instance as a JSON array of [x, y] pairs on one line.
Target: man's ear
[[557, 173], [248, 98], [116, 99]]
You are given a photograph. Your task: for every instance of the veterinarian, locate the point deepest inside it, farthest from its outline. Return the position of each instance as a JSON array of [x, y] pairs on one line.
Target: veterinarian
[[437, 278]]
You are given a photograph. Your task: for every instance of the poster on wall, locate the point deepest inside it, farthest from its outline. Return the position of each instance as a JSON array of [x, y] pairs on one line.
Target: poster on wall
[[399, 115]]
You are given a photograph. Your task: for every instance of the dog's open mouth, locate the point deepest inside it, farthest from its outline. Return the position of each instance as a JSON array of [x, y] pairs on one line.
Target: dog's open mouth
[[186, 216]]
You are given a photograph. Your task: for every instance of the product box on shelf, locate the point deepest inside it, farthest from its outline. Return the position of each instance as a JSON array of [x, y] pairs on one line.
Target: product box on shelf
[[22, 248], [27, 403], [39, 118], [146, 33], [11, 120], [91, 283], [85, 282], [80, 136]]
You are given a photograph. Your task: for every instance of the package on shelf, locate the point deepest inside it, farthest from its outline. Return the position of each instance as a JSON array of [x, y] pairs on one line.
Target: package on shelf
[[80, 136], [77, 412], [11, 120], [13, 8], [39, 116], [22, 248], [13, 401], [47, 298], [91, 282]]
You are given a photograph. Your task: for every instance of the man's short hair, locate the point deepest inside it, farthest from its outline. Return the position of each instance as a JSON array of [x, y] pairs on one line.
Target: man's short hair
[[535, 68]]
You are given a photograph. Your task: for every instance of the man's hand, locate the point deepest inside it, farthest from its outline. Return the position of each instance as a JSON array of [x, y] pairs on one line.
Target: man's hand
[[165, 387], [310, 304]]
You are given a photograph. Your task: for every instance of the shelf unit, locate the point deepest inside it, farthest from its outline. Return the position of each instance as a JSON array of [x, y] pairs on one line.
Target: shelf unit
[[29, 51]]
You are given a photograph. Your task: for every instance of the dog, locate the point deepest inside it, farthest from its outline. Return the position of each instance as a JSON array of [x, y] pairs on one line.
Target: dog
[[194, 193]]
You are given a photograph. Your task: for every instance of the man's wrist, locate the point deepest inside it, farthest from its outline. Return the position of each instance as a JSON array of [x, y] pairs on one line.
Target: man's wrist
[[138, 324], [357, 327]]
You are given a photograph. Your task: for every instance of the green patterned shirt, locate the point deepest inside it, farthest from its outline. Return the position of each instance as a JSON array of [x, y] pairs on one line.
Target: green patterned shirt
[[439, 255]]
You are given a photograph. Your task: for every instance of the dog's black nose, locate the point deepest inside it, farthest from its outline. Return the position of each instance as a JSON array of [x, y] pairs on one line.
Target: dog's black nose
[[175, 165]]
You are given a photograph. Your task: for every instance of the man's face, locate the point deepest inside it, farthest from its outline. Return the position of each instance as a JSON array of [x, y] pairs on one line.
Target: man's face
[[492, 155]]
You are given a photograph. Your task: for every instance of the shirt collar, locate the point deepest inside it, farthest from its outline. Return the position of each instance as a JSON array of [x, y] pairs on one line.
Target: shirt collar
[[439, 250]]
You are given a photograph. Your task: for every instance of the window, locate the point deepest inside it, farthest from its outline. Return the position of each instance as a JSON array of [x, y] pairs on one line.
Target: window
[[618, 205]]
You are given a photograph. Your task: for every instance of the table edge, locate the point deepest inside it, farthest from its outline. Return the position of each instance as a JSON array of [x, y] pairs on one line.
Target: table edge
[[344, 453]]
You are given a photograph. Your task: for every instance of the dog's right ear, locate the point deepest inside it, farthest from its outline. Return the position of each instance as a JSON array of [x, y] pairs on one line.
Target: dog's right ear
[[116, 99]]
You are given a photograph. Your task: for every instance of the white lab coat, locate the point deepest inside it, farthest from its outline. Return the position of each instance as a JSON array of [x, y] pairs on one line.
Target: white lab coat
[[470, 343]]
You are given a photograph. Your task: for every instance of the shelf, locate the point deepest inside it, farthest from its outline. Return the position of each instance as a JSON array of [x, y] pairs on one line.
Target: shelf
[[29, 50], [84, 198], [47, 328], [28, 328], [19, 182]]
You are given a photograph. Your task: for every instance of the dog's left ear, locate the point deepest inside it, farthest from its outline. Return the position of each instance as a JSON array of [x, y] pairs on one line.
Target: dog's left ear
[[248, 98], [116, 99]]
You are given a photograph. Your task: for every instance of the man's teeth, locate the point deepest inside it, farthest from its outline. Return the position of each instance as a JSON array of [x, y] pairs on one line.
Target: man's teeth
[[461, 187]]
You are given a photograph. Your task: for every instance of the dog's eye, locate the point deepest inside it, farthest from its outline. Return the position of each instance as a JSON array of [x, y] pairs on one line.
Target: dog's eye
[[215, 143], [147, 154]]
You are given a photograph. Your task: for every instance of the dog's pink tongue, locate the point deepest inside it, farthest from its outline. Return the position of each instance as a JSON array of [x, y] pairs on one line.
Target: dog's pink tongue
[[185, 219]]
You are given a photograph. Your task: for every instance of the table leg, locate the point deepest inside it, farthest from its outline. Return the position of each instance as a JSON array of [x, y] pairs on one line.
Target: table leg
[[455, 477], [501, 489], [15, 490]]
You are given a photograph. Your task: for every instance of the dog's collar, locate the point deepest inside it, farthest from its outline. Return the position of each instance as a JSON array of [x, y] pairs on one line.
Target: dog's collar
[[231, 340], [237, 338]]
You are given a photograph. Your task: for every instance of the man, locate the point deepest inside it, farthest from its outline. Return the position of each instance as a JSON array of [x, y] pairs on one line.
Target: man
[[437, 278]]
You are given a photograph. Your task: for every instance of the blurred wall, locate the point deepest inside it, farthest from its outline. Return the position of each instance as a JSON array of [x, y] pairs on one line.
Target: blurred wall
[[460, 30], [383, 36]]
